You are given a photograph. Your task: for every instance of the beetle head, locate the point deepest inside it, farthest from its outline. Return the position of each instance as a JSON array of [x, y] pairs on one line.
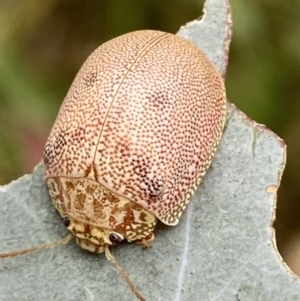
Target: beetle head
[[92, 238]]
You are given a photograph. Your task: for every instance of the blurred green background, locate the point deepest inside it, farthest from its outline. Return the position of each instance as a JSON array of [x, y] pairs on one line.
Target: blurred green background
[[43, 44]]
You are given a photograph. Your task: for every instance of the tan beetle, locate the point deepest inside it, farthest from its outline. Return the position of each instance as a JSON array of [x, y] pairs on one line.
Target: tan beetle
[[134, 136]]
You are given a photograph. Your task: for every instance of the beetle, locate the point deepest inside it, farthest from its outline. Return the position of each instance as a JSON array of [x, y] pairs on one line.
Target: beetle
[[133, 138]]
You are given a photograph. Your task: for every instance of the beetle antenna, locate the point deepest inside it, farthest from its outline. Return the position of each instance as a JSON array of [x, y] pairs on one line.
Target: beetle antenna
[[111, 258], [48, 245]]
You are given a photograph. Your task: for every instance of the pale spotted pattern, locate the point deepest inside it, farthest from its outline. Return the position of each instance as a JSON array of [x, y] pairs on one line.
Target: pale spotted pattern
[[147, 110], [93, 208]]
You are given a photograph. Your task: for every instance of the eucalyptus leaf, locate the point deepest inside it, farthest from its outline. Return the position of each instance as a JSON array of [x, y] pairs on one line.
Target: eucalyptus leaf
[[223, 248]]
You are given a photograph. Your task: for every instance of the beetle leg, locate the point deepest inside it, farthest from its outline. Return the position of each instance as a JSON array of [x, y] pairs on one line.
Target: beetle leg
[[145, 242]]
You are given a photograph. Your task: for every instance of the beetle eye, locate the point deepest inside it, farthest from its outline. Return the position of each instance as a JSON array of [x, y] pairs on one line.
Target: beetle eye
[[66, 221], [115, 238]]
